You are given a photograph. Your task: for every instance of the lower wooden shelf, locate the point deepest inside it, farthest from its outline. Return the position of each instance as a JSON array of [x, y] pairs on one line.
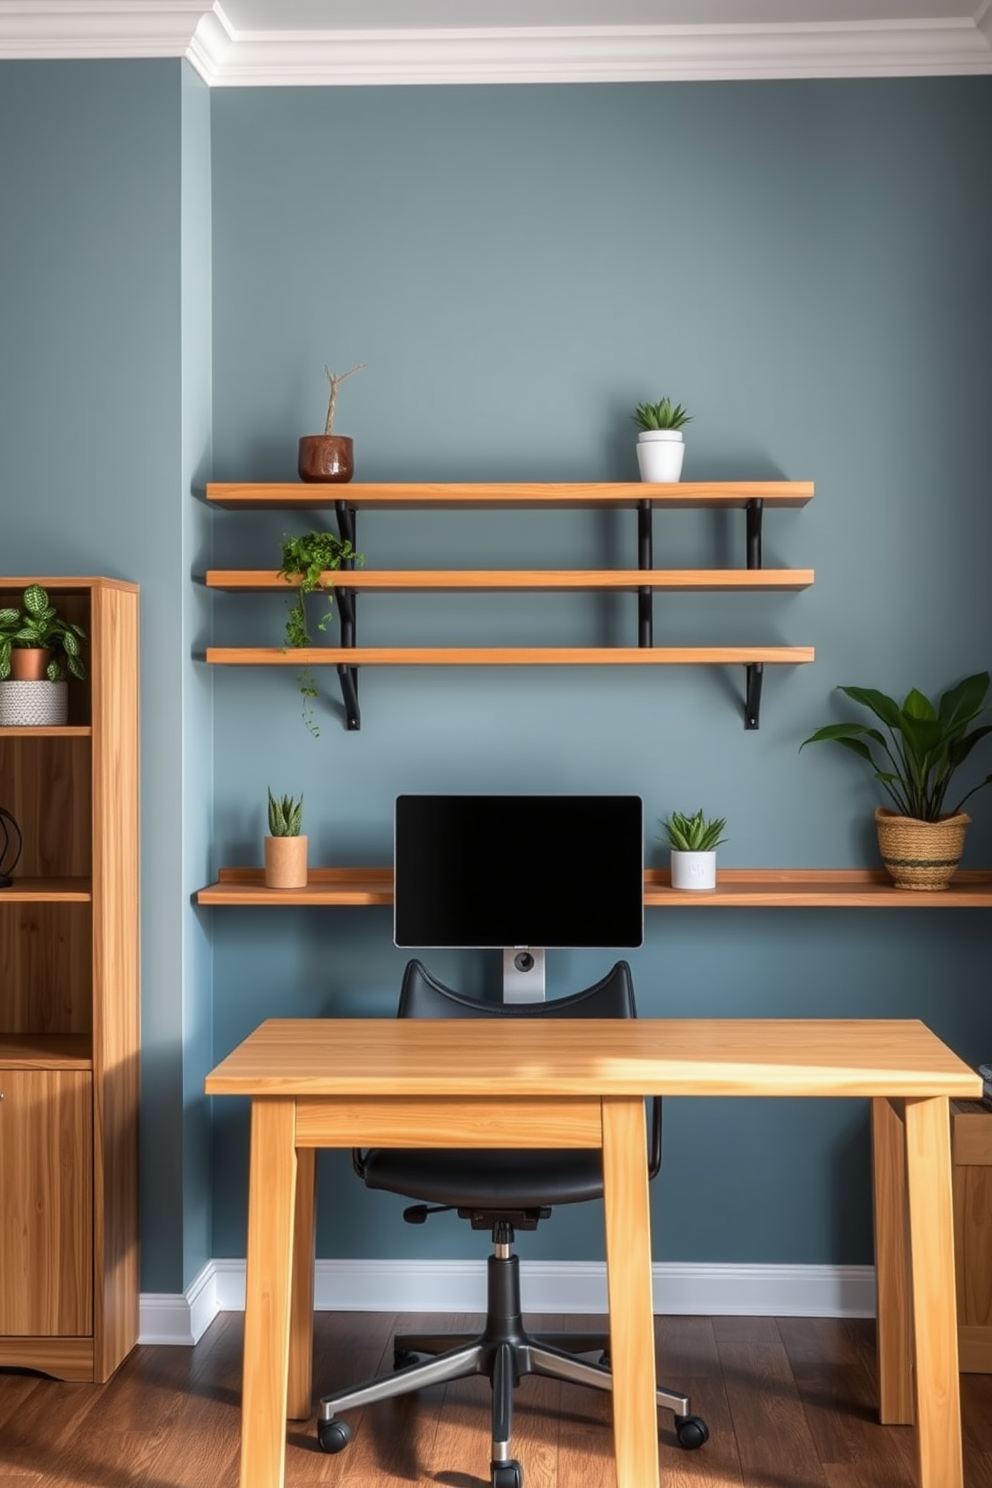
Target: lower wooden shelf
[[46, 1051], [752, 888]]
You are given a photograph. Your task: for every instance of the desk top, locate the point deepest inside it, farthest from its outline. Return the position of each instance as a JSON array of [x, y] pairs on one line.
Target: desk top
[[681, 1056]]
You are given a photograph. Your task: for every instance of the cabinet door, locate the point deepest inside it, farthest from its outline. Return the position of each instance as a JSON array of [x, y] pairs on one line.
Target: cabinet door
[[46, 1202]]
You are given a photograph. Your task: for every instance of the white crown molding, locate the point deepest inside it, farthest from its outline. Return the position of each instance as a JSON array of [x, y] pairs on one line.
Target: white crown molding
[[36, 29], [225, 57], [546, 1286], [599, 54]]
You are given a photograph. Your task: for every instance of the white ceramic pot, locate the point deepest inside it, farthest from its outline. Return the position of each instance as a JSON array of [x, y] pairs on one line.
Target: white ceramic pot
[[695, 871], [33, 704], [659, 455]]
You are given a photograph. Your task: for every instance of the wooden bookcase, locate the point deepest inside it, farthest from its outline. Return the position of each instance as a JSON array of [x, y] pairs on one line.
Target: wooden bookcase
[[69, 1008]]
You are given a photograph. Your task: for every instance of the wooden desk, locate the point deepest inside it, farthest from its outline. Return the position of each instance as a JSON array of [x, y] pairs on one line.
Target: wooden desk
[[354, 1082]]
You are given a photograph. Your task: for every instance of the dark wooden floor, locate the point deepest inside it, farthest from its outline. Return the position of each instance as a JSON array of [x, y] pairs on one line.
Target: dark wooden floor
[[788, 1402]]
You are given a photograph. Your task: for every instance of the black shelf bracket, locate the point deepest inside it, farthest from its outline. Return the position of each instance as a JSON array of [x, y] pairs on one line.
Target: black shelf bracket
[[753, 514], [645, 560], [347, 606], [752, 700]]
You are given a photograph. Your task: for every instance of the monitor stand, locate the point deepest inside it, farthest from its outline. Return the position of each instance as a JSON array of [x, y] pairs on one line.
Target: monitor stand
[[523, 974]]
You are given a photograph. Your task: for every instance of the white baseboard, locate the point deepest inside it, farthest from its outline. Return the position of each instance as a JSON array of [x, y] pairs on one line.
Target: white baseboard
[[546, 1286]]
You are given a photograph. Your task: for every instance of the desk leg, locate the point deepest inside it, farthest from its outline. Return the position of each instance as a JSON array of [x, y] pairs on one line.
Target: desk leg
[[931, 1229], [300, 1391], [271, 1201], [893, 1309], [628, 1261]]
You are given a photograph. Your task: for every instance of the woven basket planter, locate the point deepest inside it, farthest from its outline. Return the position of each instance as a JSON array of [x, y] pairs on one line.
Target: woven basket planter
[[33, 704], [920, 854]]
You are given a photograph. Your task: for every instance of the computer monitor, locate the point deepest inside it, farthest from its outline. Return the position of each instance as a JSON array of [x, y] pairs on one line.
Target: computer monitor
[[520, 873]]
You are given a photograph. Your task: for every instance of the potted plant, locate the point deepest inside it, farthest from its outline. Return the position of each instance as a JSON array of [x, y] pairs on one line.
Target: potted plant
[[307, 559], [38, 651], [693, 841], [328, 456], [286, 845], [660, 446], [922, 839]]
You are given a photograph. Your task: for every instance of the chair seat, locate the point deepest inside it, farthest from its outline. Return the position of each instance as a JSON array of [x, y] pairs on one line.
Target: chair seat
[[472, 1179]]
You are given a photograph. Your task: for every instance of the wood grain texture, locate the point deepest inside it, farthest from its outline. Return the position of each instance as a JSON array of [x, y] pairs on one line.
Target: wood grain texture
[[69, 946], [510, 656], [628, 1254], [271, 1215], [754, 1057], [432, 580], [971, 1146], [458, 1121], [397, 496], [46, 1225], [931, 1229], [793, 1394], [752, 888], [892, 1268]]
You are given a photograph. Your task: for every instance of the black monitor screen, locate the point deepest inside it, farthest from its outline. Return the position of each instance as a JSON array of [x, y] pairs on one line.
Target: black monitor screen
[[501, 871]]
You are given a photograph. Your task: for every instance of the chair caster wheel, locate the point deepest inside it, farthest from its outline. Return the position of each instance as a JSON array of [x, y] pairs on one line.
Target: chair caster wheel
[[333, 1436], [691, 1431], [403, 1357], [508, 1475]]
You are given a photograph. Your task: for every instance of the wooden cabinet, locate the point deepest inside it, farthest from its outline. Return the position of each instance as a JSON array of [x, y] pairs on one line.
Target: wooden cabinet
[[971, 1145], [69, 1008], [750, 497]]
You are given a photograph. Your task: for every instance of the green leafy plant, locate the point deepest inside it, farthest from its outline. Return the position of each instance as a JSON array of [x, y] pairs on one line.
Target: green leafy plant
[[693, 833], [661, 415], [306, 559], [285, 816], [37, 624], [926, 745]]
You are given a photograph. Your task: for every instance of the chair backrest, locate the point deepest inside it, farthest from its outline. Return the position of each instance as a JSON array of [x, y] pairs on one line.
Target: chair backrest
[[423, 996]]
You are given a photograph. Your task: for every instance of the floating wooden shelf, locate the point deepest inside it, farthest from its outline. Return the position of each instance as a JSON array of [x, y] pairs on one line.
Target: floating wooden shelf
[[751, 888], [254, 580], [508, 655], [643, 581], [242, 495]]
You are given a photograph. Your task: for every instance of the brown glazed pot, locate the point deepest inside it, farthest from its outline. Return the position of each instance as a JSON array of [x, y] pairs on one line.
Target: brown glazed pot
[[28, 663], [326, 457]]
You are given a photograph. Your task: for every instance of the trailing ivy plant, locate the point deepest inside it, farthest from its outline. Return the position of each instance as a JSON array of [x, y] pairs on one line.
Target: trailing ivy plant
[[306, 558]]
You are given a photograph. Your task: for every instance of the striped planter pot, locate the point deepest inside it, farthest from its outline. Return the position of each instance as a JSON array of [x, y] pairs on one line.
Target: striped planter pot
[[920, 854]]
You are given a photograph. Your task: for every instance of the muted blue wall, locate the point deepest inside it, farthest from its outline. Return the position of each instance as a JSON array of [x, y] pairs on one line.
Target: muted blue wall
[[801, 264], [804, 264]]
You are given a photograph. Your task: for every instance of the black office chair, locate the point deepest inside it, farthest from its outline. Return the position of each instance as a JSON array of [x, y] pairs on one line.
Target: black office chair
[[500, 1191]]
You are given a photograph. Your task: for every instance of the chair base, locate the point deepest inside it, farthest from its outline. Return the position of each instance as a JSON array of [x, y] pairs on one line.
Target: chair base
[[504, 1351]]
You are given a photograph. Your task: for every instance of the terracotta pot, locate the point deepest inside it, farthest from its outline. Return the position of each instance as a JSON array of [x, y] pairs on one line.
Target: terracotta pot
[[286, 862], [28, 663], [919, 854], [326, 457]]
